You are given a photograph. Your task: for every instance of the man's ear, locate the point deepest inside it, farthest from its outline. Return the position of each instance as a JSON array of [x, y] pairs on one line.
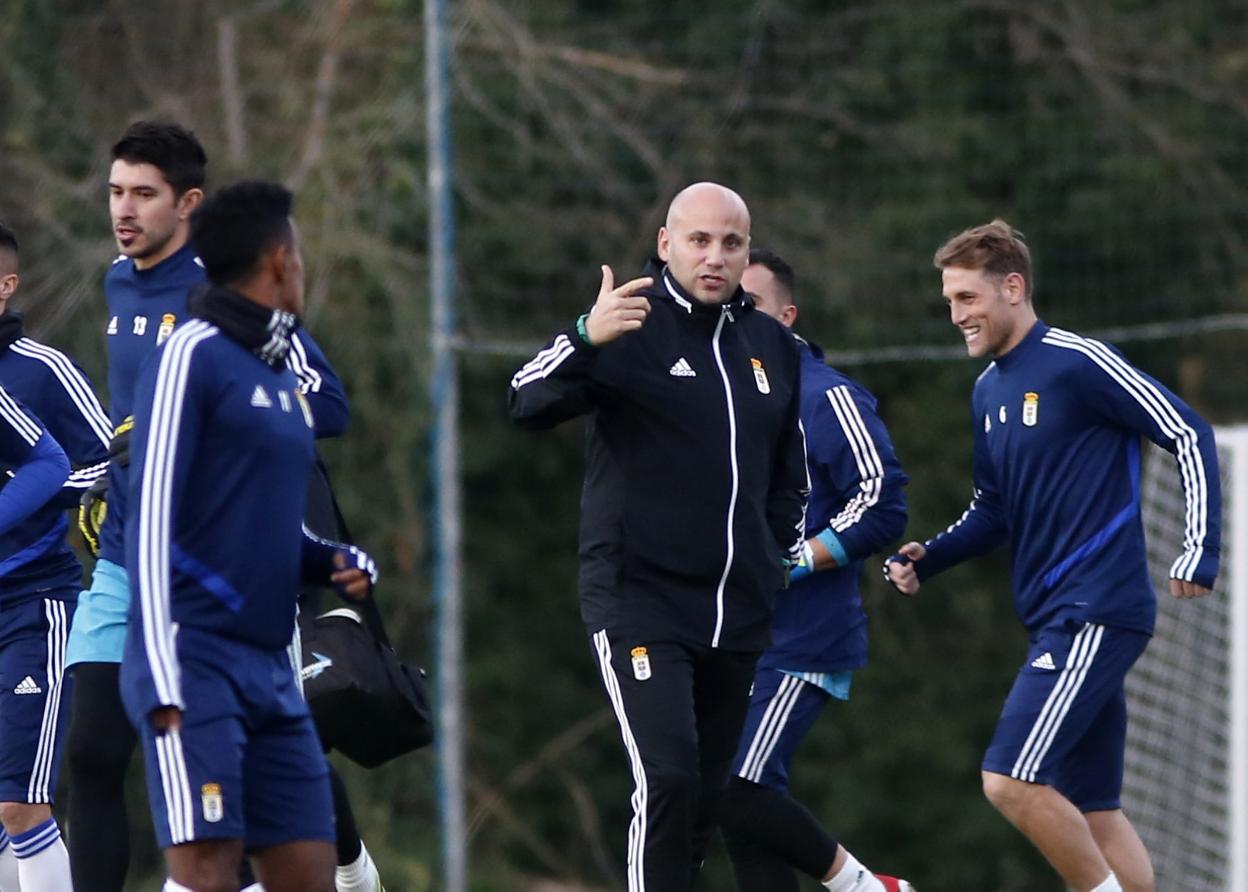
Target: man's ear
[[188, 202], [1015, 287], [789, 315], [278, 260], [8, 285], [664, 243]]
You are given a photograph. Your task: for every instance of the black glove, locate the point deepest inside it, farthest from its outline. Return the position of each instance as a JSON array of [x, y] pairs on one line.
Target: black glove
[[119, 446], [92, 509]]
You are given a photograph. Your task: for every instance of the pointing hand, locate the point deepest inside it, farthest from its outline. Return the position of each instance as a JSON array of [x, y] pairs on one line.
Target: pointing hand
[[617, 311]]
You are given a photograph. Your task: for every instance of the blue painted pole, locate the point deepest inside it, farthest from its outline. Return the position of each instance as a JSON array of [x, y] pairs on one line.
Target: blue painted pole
[[447, 522]]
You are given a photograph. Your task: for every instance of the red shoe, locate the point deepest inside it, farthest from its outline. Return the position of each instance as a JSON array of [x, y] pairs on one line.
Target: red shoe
[[892, 884]]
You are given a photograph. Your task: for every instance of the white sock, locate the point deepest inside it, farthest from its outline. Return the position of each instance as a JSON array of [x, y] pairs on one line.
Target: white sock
[[358, 876], [254, 887], [42, 861], [8, 866], [1109, 885], [853, 877], [171, 886]]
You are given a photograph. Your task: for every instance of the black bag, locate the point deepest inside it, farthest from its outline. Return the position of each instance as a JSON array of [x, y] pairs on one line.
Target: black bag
[[366, 703]]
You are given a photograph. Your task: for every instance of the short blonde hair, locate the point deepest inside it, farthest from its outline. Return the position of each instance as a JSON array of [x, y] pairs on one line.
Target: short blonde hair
[[997, 248]]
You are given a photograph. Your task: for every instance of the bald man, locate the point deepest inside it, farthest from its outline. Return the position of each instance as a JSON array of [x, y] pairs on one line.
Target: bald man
[[693, 507]]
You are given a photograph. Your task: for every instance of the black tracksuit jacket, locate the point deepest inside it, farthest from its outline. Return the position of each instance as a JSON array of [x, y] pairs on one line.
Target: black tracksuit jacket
[[696, 483]]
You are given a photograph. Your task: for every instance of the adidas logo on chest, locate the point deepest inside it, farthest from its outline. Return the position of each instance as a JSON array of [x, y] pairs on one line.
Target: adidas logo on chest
[[682, 369], [260, 398], [27, 686], [287, 401]]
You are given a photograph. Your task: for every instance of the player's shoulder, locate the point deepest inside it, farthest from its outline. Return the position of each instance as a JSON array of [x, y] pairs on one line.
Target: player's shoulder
[[818, 377], [1059, 340], [32, 347], [44, 359], [825, 387], [303, 345], [1082, 354], [194, 336], [191, 269], [190, 353], [844, 379], [180, 272], [120, 270], [984, 386], [986, 378]]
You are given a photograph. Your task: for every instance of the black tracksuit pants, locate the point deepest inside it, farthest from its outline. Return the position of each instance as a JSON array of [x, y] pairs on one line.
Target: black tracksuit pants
[[681, 709]]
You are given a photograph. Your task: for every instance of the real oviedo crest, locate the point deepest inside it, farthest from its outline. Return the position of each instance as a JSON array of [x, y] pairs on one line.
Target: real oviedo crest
[[760, 376], [1031, 408]]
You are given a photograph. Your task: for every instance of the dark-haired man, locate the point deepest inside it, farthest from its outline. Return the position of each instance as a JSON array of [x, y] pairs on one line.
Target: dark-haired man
[[39, 583], [155, 182], [1057, 420], [222, 451], [819, 633], [694, 499]]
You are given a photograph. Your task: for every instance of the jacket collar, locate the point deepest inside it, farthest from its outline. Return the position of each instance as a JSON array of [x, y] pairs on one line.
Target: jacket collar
[[666, 286], [1023, 347], [805, 346], [10, 328], [179, 258], [263, 331]]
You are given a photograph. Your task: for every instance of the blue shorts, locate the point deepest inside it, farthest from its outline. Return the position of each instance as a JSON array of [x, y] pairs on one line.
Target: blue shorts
[[782, 710], [99, 631], [34, 701], [247, 763], [1064, 722]]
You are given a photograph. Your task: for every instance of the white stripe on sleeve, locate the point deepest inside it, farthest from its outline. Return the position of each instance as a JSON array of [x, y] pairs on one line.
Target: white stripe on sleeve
[[866, 457], [309, 379], [545, 362], [12, 413], [1170, 422], [155, 521], [74, 383], [83, 478]]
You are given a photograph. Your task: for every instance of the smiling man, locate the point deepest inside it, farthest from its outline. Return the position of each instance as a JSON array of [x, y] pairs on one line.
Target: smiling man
[[1058, 420], [694, 499]]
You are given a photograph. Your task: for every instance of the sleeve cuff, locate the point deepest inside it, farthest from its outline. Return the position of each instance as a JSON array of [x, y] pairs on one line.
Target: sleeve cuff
[[833, 544]]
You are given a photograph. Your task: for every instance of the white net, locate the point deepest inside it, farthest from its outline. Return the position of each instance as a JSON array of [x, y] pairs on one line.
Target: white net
[[1180, 694]]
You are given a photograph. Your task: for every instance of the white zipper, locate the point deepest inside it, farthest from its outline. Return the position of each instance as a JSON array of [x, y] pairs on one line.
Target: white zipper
[[732, 455]]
